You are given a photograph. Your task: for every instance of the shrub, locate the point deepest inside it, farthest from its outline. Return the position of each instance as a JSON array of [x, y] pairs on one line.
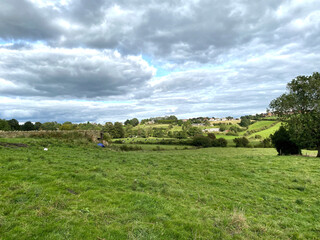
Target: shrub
[[221, 142], [211, 136], [232, 134], [245, 122], [201, 141], [107, 137], [257, 136], [130, 148], [281, 140], [222, 128], [241, 142], [158, 148], [235, 129], [266, 143]]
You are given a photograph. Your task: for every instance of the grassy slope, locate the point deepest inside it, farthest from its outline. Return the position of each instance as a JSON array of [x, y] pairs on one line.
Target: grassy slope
[[260, 124], [266, 133], [257, 125], [93, 193]]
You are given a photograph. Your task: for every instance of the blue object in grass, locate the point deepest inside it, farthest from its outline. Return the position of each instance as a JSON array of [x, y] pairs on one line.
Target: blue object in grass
[[100, 144]]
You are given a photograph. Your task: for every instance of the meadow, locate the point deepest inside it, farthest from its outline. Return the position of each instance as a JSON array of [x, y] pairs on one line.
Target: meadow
[[81, 191]]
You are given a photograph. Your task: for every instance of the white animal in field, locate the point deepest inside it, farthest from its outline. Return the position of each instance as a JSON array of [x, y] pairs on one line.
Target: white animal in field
[[45, 149]]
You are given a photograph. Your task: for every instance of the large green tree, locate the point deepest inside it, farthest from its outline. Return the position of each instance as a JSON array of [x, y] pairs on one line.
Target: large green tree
[[50, 126], [4, 125], [14, 124], [118, 130], [300, 109], [28, 126]]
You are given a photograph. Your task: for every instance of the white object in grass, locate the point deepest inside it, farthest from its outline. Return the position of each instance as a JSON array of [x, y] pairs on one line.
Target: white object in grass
[[45, 149]]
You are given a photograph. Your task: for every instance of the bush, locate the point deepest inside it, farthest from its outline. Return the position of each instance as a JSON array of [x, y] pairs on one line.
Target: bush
[[235, 129], [130, 148], [241, 142], [245, 122], [220, 142], [222, 128], [158, 148], [257, 136], [232, 134], [211, 136], [202, 141], [266, 143], [281, 140]]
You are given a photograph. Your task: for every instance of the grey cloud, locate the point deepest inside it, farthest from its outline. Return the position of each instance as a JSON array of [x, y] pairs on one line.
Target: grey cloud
[[21, 20], [76, 73], [61, 111], [179, 31]]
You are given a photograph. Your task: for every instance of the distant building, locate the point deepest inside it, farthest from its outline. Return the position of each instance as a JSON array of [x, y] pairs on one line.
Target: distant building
[[197, 124], [210, 130]]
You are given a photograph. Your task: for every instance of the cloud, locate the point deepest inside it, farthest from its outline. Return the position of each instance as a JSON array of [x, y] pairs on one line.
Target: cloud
[[73, 73], [213, 58], [180, 31]]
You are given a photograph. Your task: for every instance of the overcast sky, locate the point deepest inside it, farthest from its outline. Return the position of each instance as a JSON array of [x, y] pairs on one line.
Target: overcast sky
[[97, 60]]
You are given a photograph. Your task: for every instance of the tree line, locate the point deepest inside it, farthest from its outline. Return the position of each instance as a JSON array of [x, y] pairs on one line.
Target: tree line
[[14, 125]]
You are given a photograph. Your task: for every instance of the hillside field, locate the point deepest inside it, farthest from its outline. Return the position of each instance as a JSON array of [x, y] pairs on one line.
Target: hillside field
[[81, 191]]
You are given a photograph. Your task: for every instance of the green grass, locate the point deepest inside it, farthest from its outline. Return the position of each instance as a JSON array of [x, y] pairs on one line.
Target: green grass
[[146, 140], [86, 192], [158, 147], [152, 126], [266, 133], [260, 124]]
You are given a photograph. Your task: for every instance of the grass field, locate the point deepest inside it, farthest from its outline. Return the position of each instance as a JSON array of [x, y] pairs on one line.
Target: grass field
[[266, 133], [260, 124], [86, 192]]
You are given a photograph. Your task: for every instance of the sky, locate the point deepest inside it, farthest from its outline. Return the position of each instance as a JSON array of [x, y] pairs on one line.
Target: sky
[[101, 61]]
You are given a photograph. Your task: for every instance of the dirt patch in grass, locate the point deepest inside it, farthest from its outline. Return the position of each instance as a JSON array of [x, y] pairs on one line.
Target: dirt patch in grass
[[13, 145]]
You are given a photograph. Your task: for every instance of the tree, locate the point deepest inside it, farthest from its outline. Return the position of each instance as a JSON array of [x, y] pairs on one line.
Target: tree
[[14, 124], [118, 130], [67, 126], [28, 126], [134, 122], [37, 125], [300, 109], [180, 134], [4, 125], [194, 131], [127, 122], [50, 126], [245, 122], [186, 125], [206, 123], [241, 142], [281, 140], [173, 118], [109, 128], [158, 132]]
